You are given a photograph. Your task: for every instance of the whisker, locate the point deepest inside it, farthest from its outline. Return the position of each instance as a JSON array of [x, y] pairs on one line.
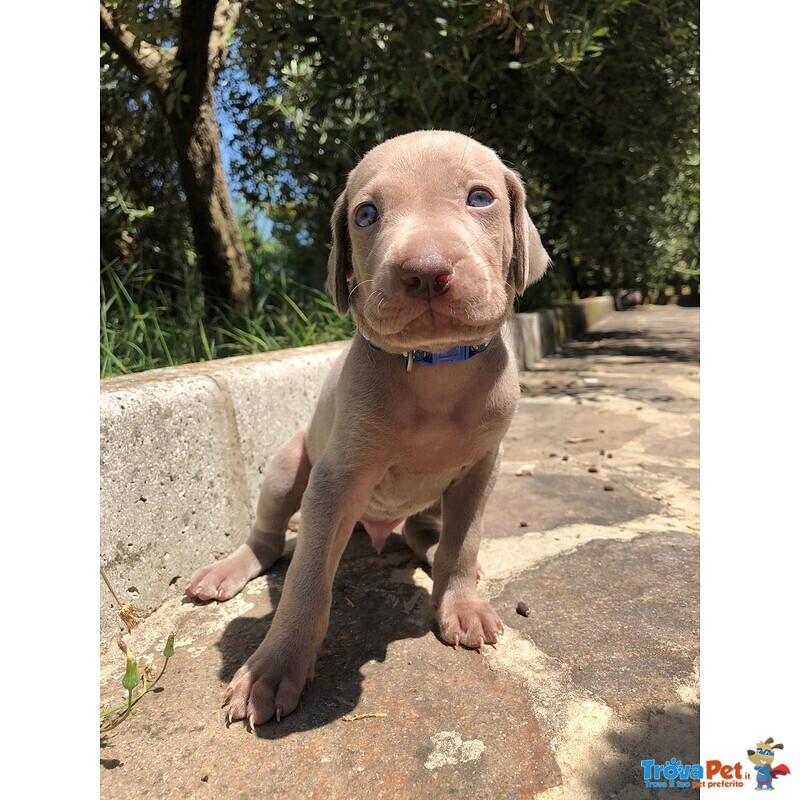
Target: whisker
[[369, 280]]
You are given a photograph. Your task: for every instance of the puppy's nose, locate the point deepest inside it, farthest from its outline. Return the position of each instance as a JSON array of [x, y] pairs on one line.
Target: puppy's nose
[[426, 276]]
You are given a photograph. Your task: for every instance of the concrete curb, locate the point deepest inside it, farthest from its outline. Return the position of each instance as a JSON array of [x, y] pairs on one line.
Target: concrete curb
[[542, 333], [182, 450]]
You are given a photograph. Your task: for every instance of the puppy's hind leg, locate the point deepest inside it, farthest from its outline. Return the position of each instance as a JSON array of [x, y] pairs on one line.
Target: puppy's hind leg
[[423, 531], [282, 490]]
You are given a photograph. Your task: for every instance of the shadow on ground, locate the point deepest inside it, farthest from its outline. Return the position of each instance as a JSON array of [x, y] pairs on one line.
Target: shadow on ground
[[635, 344], [661, 735], [369, 612]]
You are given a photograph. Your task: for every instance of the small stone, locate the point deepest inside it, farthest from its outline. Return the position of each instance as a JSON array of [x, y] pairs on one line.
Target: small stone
[[565, 458], [609, 455], [204, 778], [592, 469], [608, 488], [523, 609], [523, 524], [552, 455], [602, 452]]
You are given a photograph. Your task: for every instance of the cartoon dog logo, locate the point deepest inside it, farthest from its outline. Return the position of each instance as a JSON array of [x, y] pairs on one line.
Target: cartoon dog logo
[[762, 757]]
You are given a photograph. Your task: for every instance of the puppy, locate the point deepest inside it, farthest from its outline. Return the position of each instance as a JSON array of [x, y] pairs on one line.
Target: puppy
[[431, 242]]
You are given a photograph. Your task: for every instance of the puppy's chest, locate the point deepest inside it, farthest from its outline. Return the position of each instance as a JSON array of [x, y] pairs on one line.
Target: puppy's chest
[[426, 457], [428, 441]]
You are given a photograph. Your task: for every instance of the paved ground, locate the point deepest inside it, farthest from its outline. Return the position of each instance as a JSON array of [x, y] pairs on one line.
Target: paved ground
[[602, 542]]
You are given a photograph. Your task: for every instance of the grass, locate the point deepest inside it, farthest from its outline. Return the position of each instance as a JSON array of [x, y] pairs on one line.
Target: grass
[[149, 321]]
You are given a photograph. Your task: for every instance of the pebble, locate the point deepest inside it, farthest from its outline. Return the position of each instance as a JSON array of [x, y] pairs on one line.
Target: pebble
[[523, 609]]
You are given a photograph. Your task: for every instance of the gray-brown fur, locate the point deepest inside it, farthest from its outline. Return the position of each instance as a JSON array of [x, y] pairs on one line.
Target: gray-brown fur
[[386, 443]]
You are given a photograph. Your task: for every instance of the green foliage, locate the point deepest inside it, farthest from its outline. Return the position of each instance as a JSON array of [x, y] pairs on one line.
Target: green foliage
[[142, 327], [113, 717], [131, 617], [595, 104], [143, 216]]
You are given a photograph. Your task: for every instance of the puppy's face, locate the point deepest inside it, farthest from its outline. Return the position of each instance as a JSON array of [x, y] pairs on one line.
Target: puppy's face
[[431, 240]]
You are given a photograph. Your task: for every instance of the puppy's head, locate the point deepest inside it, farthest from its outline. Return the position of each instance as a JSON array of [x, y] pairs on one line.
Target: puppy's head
[[431, 241]]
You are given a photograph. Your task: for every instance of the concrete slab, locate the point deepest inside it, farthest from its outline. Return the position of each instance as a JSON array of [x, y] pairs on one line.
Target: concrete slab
[[171, 486], [571, 699], [271, 398], [547, 501], [181, 454], [379, 641], [622, 616]]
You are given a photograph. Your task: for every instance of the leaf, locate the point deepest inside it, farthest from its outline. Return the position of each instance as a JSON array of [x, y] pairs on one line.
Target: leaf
[[130, 680]]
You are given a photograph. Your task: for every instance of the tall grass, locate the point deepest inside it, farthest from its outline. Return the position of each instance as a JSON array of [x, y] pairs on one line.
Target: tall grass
[[150, 320]]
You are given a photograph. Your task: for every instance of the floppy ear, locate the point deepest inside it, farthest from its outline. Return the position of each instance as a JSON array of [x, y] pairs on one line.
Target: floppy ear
[[530, 257], [340, 265]]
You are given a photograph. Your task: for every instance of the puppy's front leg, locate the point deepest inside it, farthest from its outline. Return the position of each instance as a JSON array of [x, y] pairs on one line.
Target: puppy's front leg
[[271, 680], [462, 616]]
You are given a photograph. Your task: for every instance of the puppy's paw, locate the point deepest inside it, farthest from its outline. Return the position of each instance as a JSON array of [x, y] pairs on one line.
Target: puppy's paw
[[470, 622], [224, 579], [268, 684]]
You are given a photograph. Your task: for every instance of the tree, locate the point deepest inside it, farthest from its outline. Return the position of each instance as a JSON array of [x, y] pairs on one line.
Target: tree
[[178, 60]]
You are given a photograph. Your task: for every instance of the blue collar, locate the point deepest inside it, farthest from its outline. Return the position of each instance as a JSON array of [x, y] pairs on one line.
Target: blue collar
[[461, 352]]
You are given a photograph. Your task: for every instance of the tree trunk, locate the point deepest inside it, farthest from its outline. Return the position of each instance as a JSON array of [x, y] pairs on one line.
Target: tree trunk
[[205, 27], [218, 242]]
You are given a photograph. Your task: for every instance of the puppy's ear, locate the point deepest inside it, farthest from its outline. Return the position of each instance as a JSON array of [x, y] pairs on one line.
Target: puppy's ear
[[340, 265], [530, 257]]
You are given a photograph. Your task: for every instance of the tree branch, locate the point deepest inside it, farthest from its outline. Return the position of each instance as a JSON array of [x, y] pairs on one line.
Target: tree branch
[[226, 18], [146, 61]]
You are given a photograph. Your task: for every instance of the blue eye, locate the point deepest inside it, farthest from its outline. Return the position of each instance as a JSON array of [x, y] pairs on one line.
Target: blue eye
[[479, 198], [366, 215]]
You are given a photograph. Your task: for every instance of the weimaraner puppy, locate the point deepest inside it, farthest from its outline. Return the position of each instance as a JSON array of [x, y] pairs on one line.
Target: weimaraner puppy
[[431, 242]]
